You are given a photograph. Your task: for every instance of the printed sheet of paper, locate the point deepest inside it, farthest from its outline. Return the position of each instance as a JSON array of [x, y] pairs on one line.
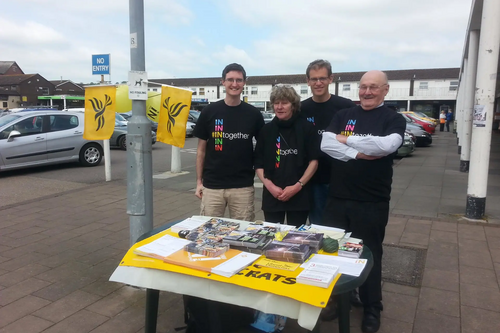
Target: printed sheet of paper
[[347, 266], [162, 247], [288, 266]]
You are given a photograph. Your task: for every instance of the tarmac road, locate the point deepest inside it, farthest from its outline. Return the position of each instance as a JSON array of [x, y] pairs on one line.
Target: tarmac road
[[25, 184]]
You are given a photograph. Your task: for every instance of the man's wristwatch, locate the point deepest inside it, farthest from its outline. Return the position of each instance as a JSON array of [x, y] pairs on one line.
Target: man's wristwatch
[[301, 183]]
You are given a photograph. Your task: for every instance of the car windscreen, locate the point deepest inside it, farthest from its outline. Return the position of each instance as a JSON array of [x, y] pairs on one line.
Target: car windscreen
[[8, 118]]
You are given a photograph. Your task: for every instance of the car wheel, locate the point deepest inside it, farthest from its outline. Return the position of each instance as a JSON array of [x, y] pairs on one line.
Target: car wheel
[[122, 142], [91, 155]]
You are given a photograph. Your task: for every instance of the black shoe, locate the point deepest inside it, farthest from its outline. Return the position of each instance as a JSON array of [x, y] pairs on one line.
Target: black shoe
[[371, 320], [355, 300], [329, 313]]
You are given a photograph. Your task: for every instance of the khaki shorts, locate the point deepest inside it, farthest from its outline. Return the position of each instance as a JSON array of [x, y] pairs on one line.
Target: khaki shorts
[[240, 202]]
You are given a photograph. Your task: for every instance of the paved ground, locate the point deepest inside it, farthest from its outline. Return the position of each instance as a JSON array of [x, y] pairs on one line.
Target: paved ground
[[58, 248]]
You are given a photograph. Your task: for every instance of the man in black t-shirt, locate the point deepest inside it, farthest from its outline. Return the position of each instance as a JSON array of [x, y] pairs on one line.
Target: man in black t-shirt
[[362, 141], [319, 110], [224, 160]]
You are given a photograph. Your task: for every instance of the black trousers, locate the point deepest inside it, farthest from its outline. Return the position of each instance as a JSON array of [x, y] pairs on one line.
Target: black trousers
[[295, 218], [366, 220], [448, 126], [441, 127]]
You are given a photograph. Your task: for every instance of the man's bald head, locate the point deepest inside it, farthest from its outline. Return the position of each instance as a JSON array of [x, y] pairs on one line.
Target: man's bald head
[[373, 87]]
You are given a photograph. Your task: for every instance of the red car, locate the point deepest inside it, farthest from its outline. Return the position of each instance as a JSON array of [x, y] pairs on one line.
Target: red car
[[428, 126]]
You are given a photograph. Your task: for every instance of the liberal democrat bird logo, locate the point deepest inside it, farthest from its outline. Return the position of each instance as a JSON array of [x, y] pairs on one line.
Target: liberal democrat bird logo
[[173, 112], [99, 108]]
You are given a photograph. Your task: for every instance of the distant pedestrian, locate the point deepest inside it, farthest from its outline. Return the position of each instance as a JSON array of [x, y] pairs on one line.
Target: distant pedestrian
[[442, 120], [449, 119]]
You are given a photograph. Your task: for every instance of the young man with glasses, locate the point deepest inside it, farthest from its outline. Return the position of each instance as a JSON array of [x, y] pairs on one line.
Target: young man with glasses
[[362, 142], [224, 160], [319, 110]]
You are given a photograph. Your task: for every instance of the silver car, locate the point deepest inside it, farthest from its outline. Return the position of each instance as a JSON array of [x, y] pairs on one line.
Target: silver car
[[36, 138]]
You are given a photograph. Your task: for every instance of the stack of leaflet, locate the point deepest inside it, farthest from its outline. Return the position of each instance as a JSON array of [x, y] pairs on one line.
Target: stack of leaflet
[[314, 240], [227, 264], [206, 239], [188, 224], [253, 239], [351, 248], [318, 274], [244, 239], [289, 252]]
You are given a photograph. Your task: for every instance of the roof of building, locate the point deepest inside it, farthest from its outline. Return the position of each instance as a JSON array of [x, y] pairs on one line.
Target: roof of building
[[5, 65], [14, 79], [393, 75], [57, 83]]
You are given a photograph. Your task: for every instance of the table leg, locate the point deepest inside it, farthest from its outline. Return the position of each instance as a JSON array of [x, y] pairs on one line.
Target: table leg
[[344, 308], [152, 297]]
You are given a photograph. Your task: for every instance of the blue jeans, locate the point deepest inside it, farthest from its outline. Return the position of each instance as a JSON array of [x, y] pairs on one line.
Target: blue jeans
[[318, 202]]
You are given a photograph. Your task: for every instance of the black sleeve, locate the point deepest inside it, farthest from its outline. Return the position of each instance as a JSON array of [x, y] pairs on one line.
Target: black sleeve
[[259, 150], [312, 143], [260, 123], [201, 129], [334, 124], [397, 125]]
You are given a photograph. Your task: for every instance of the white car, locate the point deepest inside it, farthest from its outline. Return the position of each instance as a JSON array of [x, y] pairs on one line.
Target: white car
[[34, 138], [190, 128]]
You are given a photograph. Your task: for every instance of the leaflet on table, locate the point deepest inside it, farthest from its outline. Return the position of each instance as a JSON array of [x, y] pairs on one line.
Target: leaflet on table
[[288, 266], [227, 264], [331, 232], [318, 274], [347, 266], [188, 224], [162, 247]]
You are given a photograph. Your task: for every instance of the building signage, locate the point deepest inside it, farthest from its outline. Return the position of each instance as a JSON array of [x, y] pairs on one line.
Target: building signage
[[200, 100], [100, 64]]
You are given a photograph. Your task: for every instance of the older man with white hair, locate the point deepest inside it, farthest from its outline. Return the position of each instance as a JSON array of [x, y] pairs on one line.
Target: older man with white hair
[[362, 141]]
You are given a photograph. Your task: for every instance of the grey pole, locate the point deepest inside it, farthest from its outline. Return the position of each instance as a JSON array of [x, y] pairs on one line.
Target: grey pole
[[486, 79], [139, 158], [470, 91]]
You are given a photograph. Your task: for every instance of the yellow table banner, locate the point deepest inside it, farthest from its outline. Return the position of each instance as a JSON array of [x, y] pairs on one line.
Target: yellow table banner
[[277, 281]]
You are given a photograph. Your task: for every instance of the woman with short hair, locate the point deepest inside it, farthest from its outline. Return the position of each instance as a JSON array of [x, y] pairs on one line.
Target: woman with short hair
[[286, 158]]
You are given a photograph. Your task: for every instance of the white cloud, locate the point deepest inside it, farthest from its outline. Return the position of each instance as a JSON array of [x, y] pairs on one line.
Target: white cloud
[[193, 39]]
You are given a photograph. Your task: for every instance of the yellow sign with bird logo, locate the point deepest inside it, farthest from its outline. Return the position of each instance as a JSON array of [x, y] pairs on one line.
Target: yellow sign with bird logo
[[174, 112], [100, 104]]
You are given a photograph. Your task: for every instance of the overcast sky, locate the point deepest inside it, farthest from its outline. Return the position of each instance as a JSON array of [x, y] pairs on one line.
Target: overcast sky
[[197, 38]]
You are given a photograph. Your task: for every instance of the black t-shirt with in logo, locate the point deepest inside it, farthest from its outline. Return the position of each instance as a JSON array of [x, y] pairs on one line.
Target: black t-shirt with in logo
[[229, 156]]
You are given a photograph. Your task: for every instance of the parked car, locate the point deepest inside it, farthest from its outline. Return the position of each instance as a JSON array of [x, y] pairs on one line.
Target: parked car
[[422, 137], [193, 116], [119, 137], [423, 116], [34, 138], [128, 115], [428, 125], [408, 146], [190, 128], [268, 116]]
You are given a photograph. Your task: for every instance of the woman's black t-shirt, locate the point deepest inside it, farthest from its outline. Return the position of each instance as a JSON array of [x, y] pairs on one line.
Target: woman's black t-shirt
[[287, 168]]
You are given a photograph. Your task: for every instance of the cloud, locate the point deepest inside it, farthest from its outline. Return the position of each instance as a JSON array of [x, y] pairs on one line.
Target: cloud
[[197, 39]]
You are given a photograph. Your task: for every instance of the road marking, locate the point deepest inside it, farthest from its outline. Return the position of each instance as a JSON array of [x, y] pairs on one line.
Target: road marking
[[169, 174], [189, 150]]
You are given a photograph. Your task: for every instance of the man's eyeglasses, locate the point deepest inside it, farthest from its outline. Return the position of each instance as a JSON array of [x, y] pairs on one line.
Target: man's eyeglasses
[[319, 79], [231, 80], [373, 88]]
